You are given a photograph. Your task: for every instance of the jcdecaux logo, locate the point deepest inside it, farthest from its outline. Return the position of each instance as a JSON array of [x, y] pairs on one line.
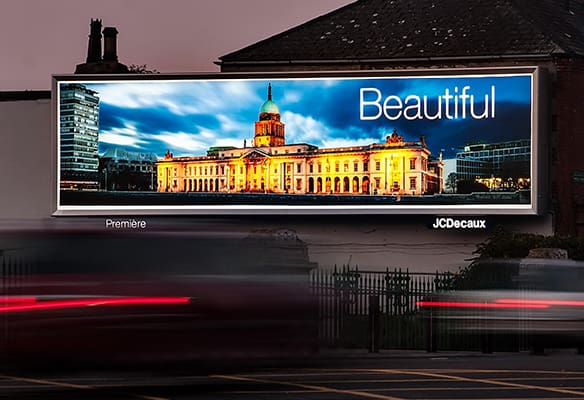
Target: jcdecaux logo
[[459, 223]]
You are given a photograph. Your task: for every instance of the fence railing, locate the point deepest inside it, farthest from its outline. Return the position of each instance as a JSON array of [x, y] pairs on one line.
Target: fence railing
[[14, 269], [344, 295]]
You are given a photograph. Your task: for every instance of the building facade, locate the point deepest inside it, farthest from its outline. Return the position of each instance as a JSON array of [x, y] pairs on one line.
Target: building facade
[[272, 166], [79, 124], [127, 170], [499, 166]]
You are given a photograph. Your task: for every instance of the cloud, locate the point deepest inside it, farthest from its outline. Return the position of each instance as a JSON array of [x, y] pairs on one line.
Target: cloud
[[127, 136], [291, 97], [151, 119], [133, 95], [180, 98], [233, 127], [184, 142], [304, 129]]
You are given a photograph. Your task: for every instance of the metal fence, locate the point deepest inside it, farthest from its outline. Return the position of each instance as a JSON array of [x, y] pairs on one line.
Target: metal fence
[[345, 296], [14, 269]]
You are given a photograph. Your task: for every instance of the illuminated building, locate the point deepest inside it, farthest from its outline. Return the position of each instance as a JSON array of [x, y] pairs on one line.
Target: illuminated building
[[497, 165], [79, 114], [272, 166]]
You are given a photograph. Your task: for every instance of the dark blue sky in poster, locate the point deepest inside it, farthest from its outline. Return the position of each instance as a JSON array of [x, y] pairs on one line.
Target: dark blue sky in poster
[[188, 117]]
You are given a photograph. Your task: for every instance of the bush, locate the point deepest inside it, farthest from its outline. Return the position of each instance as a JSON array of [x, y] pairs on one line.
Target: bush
[[505, 244]]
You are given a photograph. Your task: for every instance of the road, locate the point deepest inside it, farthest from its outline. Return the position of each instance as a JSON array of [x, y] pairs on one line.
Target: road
[[349, 376]]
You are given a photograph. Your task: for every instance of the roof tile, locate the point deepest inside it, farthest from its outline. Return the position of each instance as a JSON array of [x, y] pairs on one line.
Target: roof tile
[[410, 29]]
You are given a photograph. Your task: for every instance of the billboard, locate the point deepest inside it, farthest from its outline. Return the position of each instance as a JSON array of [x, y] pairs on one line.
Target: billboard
[[422, 142]]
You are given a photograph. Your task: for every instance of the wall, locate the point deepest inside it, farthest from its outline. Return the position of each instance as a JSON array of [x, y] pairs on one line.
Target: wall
[[26, 160], [567, 145]]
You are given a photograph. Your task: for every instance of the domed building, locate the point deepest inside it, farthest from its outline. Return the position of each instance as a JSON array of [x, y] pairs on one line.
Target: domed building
[[272, 166], [269, 131]]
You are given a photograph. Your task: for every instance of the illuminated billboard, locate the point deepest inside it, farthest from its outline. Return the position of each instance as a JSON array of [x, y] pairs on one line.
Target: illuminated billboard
[[423, 142]]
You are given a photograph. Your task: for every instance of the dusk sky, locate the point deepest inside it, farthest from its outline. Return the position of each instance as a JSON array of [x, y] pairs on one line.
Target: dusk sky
[[44, 37], [188, 117]]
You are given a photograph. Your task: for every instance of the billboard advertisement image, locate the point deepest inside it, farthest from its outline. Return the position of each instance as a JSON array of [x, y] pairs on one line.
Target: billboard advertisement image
[[453, 142]]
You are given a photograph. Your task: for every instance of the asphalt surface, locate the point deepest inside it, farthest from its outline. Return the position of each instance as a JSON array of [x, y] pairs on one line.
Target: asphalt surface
[[344, 375]]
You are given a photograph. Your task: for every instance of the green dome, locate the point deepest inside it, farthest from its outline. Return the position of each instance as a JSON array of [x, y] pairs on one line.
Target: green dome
[[270, 107]]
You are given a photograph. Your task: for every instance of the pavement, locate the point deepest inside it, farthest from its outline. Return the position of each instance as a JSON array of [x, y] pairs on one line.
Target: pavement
[[365, 353], [343, 353]]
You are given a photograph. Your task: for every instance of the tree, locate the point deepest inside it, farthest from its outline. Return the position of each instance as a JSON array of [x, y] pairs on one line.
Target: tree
[[450, 183], [142, 69]]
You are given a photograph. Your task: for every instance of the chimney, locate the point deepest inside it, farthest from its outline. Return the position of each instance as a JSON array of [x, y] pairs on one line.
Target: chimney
[[110, 50], [94, 46]]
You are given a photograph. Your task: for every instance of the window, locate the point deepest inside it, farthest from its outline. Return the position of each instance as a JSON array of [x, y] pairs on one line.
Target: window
[[355, 167], [377, 165], [412, 163], [311, 168], [337, 166], [346, 167], [299, 168], [413, 183], [319, 167], [365, 166]]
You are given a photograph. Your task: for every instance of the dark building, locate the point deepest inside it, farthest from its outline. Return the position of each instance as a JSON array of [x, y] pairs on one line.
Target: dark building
[[127, 170], [409, 34]]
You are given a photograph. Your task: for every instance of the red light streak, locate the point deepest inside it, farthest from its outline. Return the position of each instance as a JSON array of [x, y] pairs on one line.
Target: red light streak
[[17, 299], [93, 302], [461, 304], [542, 302]]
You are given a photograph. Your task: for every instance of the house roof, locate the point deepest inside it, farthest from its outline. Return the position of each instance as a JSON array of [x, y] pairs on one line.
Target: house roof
[[423, 29]]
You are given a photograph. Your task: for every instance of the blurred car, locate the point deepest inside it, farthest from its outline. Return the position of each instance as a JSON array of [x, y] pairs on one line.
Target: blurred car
[[89, 298], [541, 300]]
